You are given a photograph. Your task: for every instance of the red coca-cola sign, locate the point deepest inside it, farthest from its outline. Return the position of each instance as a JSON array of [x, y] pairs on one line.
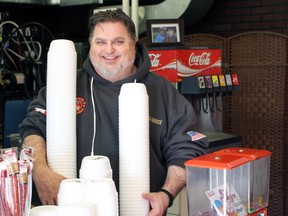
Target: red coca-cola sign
[[175, 64]]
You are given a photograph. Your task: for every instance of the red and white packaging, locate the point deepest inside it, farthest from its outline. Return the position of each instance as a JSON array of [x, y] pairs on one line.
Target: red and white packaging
[[15, 183], [176, 63]]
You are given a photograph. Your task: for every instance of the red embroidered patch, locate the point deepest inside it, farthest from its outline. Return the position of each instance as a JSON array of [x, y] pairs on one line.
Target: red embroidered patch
[[80, 105]]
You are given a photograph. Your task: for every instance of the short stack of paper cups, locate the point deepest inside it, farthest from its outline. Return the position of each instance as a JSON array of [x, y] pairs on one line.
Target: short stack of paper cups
[[61, 107], [95, 166], [100, 194], [134, 177], [103, 195], [71, 191]]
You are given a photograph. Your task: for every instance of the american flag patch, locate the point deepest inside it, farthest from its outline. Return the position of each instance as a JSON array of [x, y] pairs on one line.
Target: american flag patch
[[195, 136]]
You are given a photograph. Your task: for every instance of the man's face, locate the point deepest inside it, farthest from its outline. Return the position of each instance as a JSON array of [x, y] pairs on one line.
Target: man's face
[[171, 33], [112, 51]]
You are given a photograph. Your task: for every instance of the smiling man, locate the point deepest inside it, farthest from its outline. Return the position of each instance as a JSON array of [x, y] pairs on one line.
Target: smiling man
[[112, 51], [115, 58]]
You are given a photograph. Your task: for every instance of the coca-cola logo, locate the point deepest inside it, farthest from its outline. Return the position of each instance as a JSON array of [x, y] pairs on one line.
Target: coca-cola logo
[[203, 59], [154, 58]]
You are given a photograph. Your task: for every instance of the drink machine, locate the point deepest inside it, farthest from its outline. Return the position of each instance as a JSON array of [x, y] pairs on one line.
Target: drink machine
[[229, 182], [197, 74]]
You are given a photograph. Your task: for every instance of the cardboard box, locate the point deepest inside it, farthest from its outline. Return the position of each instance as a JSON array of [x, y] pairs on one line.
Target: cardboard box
[[176, 63]]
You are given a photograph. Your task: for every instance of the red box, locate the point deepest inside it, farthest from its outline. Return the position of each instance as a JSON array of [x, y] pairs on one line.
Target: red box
[[178, 63]]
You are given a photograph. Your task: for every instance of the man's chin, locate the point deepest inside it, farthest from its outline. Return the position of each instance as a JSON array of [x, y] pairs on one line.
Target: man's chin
[[107, 73]]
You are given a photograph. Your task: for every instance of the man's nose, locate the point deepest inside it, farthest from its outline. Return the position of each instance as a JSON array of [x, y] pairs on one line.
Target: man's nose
[[110, 47]]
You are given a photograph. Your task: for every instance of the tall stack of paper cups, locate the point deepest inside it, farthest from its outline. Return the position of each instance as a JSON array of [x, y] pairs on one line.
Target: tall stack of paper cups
[[61, 107], [134, 177]]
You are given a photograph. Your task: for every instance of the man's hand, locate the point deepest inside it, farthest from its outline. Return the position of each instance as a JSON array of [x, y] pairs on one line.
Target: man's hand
[[158, 201], [47, 183], [175, 181]]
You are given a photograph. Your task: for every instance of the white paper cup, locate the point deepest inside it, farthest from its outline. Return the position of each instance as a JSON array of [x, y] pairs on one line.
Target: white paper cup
[[44, 210], [71, 191], [99, 188], [103, 195], [76, 209], [62, 44], [93, 167], [85, 174], [133, 89]]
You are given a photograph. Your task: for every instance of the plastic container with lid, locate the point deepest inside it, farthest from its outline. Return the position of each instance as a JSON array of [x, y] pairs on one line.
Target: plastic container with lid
[[217, 185], [259, 166]]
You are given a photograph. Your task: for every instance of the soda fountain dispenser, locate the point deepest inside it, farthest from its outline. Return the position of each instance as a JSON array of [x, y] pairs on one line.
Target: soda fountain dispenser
[[206, 95]]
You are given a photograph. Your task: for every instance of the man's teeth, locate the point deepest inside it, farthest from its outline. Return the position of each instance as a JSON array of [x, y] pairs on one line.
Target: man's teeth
[[110, 57]]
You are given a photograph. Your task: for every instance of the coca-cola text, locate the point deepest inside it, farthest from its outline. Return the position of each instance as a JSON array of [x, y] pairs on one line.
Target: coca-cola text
[[203, 59]]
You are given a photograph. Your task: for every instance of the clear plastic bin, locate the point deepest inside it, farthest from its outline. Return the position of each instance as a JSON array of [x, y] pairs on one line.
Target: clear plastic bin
[[217, 185], [258, 195]]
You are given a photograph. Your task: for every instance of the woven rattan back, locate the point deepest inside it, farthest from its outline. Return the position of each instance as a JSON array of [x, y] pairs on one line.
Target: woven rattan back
[[258, 111]]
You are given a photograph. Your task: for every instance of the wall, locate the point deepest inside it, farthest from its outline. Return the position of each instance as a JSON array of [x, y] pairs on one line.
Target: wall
[[229, 17], [225, 18]]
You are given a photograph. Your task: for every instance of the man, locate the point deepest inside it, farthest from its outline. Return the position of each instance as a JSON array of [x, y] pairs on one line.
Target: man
[[171, 37], [116, 58], [161, 36]]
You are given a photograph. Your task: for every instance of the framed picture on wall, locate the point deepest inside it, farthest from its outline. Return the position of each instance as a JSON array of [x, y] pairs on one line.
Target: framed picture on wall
[[165, 32]]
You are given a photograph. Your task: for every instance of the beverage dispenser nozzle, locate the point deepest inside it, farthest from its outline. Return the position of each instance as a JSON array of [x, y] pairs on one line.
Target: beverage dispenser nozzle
[[229, 85], [197, 106], [193, 88], [203, 96], [210, 92], [222, 84], [216, 91], [217, 105], [206, 104], [212, 103]]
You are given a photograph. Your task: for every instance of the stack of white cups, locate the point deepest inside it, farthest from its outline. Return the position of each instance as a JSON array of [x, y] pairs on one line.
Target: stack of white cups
[[95, 166], [61, 107], [99, 194], [71, 191], [100, 189], [103, 195], [134, 177], [95, 187], [71, 198], [72, 209]]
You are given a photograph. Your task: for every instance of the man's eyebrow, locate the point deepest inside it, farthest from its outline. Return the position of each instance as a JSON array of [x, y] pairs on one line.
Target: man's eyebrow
[[99, 38], [117, 38]]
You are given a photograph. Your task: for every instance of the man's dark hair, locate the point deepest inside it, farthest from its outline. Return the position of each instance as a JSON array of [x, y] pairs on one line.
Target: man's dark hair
[[111, 16]]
